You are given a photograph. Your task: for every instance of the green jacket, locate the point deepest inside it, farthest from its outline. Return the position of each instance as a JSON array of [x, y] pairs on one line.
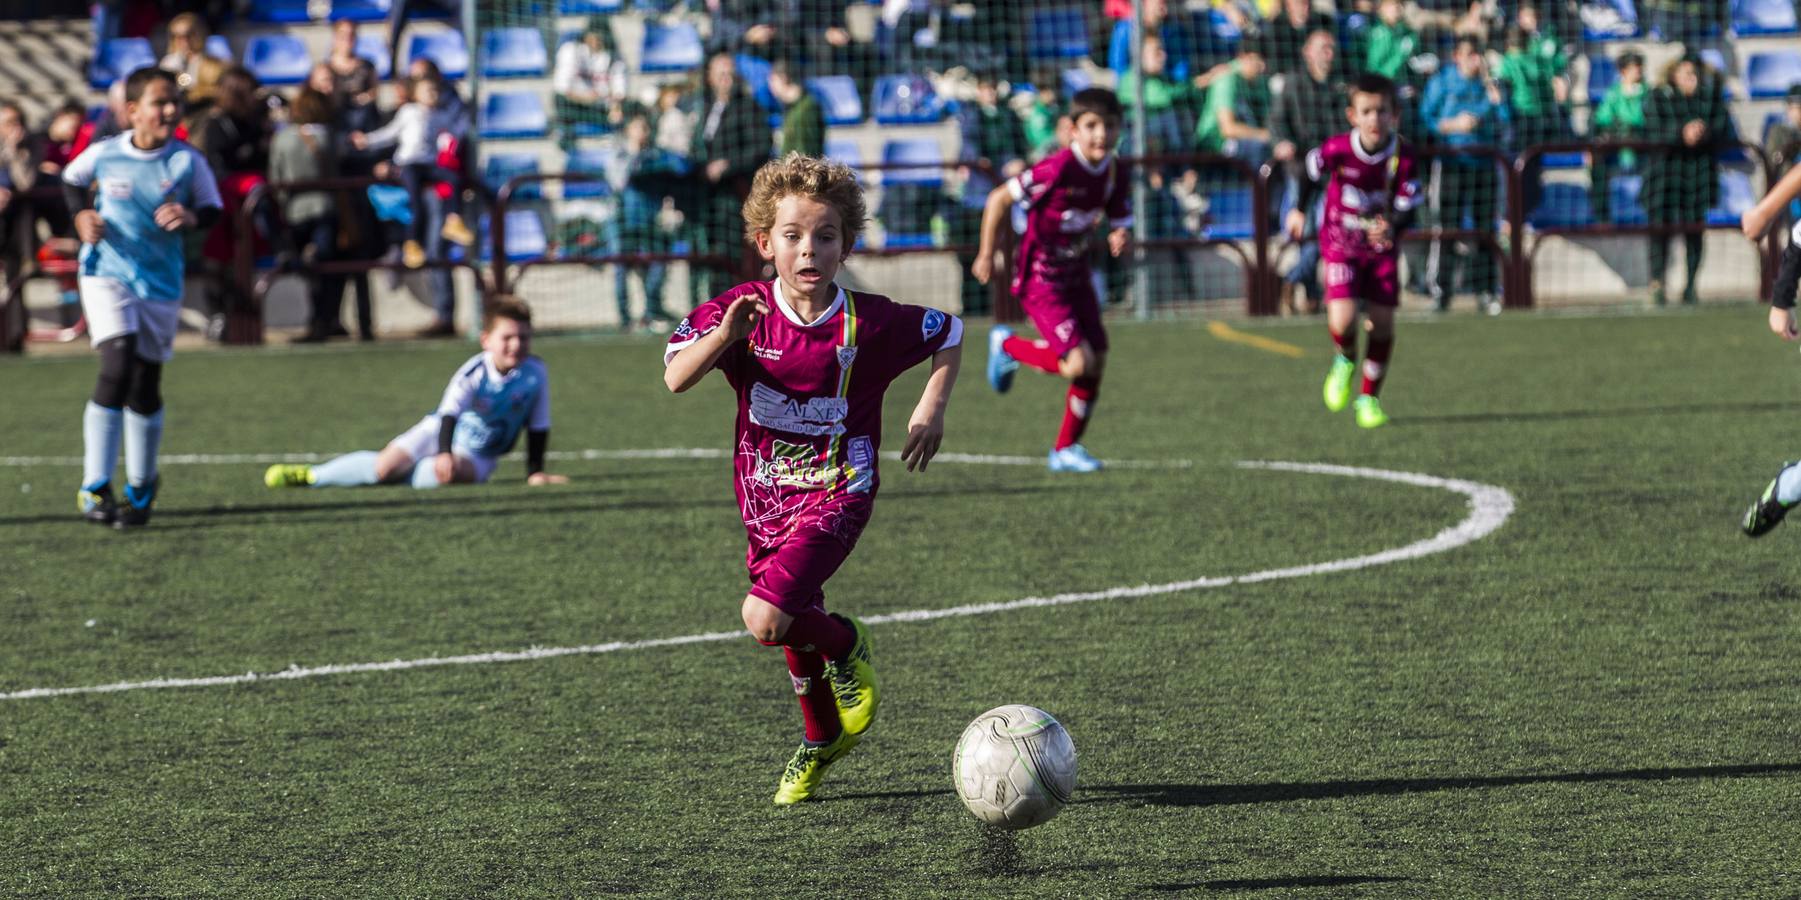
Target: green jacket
[[1622, 115], [1387, 48], [1040, 123], [1528, 76], [1159, 92], [803, 127], [1248, 101]]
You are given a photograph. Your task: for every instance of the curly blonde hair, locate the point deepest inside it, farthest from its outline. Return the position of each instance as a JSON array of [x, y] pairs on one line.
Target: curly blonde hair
[[828, 182]]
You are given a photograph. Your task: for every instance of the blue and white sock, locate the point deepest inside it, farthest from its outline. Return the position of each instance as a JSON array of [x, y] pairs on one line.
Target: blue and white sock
[[143, 437], [1788, 486], [350, 470], [101, 428]]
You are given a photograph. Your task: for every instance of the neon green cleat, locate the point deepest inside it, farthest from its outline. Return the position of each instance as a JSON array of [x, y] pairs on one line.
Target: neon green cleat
[[1369, 412], [1338, 383], [854, 683], [807, 768], [282, 475]]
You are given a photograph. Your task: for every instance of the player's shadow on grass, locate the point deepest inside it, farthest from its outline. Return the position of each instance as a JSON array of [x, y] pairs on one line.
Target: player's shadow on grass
[[1281, 792], [1676, 409], [1264, 884]]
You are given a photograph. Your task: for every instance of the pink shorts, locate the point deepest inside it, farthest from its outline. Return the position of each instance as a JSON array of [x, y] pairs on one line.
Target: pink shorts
[[1065, 311], [1375, 281], [791, 575]]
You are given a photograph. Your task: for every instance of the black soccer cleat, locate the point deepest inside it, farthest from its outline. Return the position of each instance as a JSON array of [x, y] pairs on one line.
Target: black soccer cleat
[[96, 503], [135, 511], [1766, 511]]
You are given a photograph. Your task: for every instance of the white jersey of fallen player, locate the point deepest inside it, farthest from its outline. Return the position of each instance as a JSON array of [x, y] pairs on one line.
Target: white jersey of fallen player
[[491, 409]]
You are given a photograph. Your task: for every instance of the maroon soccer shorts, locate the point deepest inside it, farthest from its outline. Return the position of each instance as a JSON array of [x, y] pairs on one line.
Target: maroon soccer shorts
[[791, 575], [1374, 280], [1065, 311]]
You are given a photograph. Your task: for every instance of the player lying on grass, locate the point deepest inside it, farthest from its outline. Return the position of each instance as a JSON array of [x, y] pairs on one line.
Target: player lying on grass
[[1371, 191], [1784, 491], [810, 363], [1066, 197], [491, 398]]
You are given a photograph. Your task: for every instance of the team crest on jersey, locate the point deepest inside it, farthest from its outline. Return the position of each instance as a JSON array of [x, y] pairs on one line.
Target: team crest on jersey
[[683, 330], [846, 356], [933, 323]]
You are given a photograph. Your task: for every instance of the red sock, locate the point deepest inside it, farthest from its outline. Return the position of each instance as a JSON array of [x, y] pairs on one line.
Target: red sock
[[816, 631], [817, 708], [1077, 409], [1036, 354], [1347, 342], [1375, 364]]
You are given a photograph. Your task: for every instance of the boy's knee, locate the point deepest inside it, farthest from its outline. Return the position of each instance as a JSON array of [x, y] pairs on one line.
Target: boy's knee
[[763, 620]]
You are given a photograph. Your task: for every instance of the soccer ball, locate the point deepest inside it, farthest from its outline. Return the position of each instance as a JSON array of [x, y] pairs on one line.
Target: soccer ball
[[1015, 767]]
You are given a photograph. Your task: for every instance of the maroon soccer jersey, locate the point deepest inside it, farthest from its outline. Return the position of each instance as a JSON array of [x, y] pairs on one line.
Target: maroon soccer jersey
[[1361, 186], [1065, 199], [810, 402]]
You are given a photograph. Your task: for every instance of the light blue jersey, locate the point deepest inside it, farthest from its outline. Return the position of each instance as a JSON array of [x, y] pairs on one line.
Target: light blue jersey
[[491, 409], [130, 185]]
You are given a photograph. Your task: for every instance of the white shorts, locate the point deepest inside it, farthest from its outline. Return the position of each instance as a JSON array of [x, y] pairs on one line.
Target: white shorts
[[421, 443], [112, 310]]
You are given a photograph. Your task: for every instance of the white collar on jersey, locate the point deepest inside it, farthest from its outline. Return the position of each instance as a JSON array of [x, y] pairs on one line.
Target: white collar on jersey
[[1378, 156], [137, 152], [1093, 168], [494, 370], [781, 302]]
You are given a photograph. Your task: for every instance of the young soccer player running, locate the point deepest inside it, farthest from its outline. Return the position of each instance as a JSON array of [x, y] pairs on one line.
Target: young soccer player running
[[496, 394], [131, 196], [1066, 196], [1371, 193], [1784, 491], [809, 363]]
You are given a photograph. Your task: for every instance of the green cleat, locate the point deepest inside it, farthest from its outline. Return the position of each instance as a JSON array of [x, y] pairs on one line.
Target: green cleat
[[1766, 511], [283, 475], [854, 683], [1338, 383], [807, 768], [1369, 412]]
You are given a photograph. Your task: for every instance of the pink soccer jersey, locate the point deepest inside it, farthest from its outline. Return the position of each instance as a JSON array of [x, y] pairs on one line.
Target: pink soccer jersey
[[810, 401], [1359, 187], [1065, 199]]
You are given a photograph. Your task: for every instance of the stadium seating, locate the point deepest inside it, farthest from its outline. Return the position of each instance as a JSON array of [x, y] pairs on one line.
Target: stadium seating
[[671, 48], [1736, 197], [446, 48], [1769, 74], [503, 166], [513, 114], [1562, 205], [1609, 20], [906, 100], [374, 48], [118, 58], [589, 7], [1229, 215], [280, 12], [839, 99], [1759, 17], [525, 238], [217, 46], [1060, 33], [278, 59], [1602, 74], [360, 10], [923, 152], [845, 151], [587, 162], [1563, 160], [1624, 195], [1077, 78], [513, 53], [755, 72]]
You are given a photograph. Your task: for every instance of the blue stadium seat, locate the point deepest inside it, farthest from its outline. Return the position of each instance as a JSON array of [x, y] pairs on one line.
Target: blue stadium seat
[[1735, 200], [754, 71], [503, 166], [514, 53], [671, 48], [1562, 205], [1563, 160], [839, 98], [846, 151], [587, 162], [1716, 60], [118, 58], [283, 12], [525, 236], [1057, 34], [1602, 74], [1624, 195], [1076, 78], [1755, 17], [374, 48], [360, 10], [588, 7], [906, 100], [923, 152], [1229, 215], [1769, 74], [278, 59], [446, 48], [514, 114], [1609, 20], [217, 46]]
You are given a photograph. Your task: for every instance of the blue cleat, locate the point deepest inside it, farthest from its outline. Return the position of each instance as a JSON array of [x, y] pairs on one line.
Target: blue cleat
[[139, 500], [1073, 458], [1001, 364]]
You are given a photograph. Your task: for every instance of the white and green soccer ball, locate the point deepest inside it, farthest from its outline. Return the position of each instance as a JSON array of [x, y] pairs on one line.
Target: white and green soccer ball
[[1015, 767]]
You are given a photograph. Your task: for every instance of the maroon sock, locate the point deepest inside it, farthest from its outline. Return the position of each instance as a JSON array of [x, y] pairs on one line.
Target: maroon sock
[[816, 631], [1375, 364], [1347, 342], [817, 708], [1036, 354], [1077, 409]]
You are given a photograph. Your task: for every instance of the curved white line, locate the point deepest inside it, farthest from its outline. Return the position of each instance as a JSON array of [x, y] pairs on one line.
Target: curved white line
[[1489, 508]]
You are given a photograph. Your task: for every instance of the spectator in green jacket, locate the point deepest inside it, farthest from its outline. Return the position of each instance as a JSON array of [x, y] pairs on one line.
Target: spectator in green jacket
[[1532, 69], [1620, 116], [1388, 44], [803, 121], [1235, 120]]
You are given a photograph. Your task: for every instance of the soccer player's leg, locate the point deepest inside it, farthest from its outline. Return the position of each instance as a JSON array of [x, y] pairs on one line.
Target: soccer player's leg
[[1082, 365], [463, 470], [1341, 322], [1768, 510], [1380, 286], [1050, 311], [112, 318]]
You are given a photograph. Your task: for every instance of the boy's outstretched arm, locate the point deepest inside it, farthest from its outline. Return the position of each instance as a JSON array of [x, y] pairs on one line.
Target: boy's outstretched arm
[[925, 429], [536, 445], [994, 218], [692, 363], [1757, 220]]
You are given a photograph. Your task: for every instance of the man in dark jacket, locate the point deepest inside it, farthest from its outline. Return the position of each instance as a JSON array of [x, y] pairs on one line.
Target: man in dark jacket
[[1312, 109], [732, 137], [1688, 113]]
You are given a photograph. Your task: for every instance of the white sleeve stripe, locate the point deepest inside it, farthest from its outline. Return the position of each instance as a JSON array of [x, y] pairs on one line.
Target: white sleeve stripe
[[955, 337], [670, 351], [1016, 189], [1315, 164]]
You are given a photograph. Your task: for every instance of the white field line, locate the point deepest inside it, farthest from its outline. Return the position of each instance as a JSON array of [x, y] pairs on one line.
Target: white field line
[[1490, 507]]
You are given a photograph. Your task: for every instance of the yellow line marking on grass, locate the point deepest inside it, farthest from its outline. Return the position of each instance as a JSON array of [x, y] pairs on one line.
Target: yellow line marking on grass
[[1232, 335]]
